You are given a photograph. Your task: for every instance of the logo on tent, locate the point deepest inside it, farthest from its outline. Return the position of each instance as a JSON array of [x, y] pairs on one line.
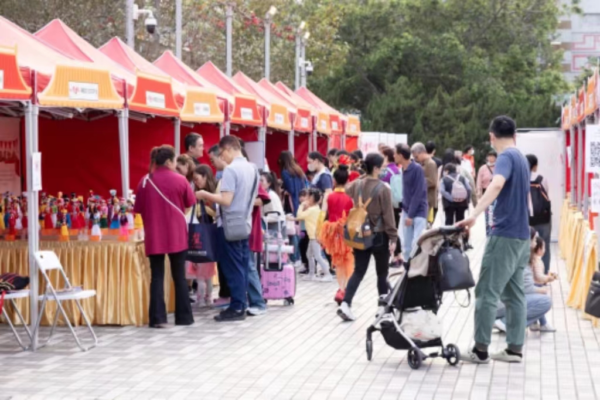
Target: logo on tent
[[202, 109], [304, 122], [83, 91], [279, 119], [247, 113], [156, 100], [334, 125]]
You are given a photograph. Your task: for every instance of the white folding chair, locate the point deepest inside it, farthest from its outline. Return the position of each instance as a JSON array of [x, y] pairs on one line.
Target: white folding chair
[[46, 261], [11, 297]]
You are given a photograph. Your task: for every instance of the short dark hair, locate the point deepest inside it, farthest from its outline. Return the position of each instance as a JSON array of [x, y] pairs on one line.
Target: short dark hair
[[303, 192], [332, 152], [373, 160], [160, 155], [533, 161], [389, 154], [430, 147], [190, 140], [492, 153], [503, 127], [450, 168], [214, 150], [468, 148], [230, 141], [315, 155], [341, 174], [341, 153], [403, 150], [315, 194], [358, 153]]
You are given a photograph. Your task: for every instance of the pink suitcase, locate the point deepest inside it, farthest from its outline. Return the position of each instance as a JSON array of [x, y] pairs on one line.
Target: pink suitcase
[[279, 284]]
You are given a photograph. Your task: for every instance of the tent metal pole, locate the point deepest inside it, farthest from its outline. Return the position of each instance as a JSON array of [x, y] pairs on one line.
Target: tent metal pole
[[177, 141], [579, 167], [32, 230], [221, 130], [291, 142], [124, 149], [573, 167], [586, 183]]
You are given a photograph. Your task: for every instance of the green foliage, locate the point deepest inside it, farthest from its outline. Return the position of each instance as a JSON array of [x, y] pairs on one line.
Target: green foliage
[[443, 69]]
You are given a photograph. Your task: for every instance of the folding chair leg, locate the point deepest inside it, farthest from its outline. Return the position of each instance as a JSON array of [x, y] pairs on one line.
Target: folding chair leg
[[43, 343], [89, 326], [14, 329], [68, 322]]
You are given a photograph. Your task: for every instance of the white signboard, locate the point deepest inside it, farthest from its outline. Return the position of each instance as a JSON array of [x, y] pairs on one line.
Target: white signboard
[[592, 149], [304, 122], [36, 175], [1, 79], [323, 124], [368, 142], [595, 195], [279, 118], [334, 125], [202, 109], [247, 113], [156, 100], [83, 91]]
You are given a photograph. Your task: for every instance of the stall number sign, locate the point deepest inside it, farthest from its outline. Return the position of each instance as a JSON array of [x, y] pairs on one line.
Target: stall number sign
[[352, 128], [304, 122], [202, 109], [247, 113], [83, 91], [323, 124], [156, 100], [1, 79], [334, 125], [595, 183], [279, 118]]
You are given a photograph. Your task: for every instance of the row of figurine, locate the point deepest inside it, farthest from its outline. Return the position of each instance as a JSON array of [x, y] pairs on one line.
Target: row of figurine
[[66, 217]]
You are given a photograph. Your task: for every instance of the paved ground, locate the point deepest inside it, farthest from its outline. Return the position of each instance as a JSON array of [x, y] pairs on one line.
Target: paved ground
[[304, 352]]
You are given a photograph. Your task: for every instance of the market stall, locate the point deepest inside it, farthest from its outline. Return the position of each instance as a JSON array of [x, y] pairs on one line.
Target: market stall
[[335, 118], [247, 117], [280, 116], [303, 122], [352, 133]]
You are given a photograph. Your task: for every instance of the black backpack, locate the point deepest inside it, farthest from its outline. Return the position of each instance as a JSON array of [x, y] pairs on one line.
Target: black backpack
[[542, 208]]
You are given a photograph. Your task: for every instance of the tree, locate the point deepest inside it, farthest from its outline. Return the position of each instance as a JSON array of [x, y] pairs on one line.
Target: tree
[[443, 69]]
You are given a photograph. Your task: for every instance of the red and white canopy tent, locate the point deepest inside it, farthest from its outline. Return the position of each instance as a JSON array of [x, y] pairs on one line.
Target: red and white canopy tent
[[58, 86], [335, 117], [246, 118], [205, 105], [321, 125], [302, 123], [280, 134]]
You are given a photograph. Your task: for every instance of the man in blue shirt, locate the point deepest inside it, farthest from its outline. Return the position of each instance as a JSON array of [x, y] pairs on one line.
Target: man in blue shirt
[[507, 251]]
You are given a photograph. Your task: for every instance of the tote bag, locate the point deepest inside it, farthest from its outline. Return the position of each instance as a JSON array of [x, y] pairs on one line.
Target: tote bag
[[202, 238]]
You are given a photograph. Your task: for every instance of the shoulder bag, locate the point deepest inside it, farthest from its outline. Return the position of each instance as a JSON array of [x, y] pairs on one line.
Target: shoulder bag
[[202, 244], [236, 227], [592, 305]]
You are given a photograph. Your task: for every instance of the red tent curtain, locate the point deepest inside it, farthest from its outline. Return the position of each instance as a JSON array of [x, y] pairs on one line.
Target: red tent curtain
[[301, 150], [246, 133], [276, 143], [336, 141], [351, 143], [322, 145]]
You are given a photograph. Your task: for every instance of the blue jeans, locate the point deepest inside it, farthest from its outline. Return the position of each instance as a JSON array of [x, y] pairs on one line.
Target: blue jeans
[[255, 294], [234, 259], [537, 306], [295, 241], [411, 234]]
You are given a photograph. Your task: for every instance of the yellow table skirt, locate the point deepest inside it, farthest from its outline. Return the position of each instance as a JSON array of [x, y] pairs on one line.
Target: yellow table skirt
[[119, 272]]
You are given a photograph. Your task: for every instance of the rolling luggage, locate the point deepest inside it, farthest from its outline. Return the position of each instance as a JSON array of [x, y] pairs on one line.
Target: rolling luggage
[[278, 276]]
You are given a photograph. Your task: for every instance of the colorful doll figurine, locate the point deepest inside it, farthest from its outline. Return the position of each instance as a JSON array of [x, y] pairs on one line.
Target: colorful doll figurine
[[124, 229], [96, 234], [64, 228], [114, 221], [54, 214], [19, 221], [2, 225], [139, 227], [12, 222], [103, 215], [130, 219]]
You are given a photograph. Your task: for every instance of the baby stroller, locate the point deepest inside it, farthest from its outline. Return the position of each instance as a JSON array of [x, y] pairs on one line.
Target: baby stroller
[[418, 286]]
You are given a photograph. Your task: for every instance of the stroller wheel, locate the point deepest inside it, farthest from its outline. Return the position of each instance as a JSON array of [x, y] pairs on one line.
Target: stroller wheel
[[415, 359], [289, 301], [452, 354], [369, 350]]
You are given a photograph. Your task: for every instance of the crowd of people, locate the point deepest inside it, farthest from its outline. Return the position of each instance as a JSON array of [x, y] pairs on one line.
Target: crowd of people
[[400, 188]]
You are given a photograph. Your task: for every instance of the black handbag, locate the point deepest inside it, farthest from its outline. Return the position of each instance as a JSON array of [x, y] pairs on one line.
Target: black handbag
[[592, 305], [455, 270], [202, 238]]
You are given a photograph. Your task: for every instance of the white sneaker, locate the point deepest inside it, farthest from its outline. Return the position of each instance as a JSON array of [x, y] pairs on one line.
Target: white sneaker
[[547, 328], [345, 312], [470, 356], [326, 278], [309, 278], [255, 311], [501, 326], [201, 303], [298, 265], [535, 327], [504, 356]]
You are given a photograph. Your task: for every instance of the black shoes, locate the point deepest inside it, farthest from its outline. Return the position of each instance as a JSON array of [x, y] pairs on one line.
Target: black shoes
[[230, 315]]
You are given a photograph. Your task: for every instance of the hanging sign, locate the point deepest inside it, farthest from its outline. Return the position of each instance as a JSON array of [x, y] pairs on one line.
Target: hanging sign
[[1, 79], [247, 113], [592, 149], [595, 185], [83, 91], [279, 118], [202, 109], [304, 122], [156, 100], [334, 125], [36, 176]]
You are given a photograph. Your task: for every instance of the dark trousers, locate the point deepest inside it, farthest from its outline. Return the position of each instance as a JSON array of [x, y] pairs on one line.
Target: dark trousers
[[381, 252], [454, 214], [183, 308], [545, 231], [234, 258], [224, 291], [397, 215], [304, 249]]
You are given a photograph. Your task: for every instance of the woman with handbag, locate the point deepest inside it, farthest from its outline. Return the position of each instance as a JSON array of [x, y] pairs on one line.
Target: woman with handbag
[[380, 217], [161, 199], [204, 272]]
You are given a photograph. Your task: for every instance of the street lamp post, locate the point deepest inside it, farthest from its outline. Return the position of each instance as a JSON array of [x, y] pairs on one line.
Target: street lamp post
[[229, 21], [268, 20], [178, 26], [129, 23], [297, 60], [303, 59]]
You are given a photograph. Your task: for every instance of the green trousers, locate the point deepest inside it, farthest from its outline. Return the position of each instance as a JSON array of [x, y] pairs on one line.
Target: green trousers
[[501, 277]]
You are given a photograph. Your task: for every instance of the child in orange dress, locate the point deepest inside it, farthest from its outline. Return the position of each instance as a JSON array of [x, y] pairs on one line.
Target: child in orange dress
[[339, 205]]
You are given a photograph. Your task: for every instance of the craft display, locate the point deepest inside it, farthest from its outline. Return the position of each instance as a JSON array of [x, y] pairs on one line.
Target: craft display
[[68, 217]]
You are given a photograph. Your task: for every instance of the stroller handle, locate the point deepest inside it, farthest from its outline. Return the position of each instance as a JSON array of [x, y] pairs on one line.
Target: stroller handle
[[450, 230]]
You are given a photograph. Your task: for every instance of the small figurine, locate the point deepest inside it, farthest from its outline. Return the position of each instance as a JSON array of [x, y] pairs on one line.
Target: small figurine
[[96, 234], [124, 222]]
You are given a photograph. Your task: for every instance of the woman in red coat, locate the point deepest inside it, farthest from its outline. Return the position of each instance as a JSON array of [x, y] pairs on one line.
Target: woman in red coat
[[162, 198]]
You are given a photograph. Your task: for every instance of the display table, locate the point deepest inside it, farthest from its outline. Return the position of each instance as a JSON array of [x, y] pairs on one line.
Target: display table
[[119, 272]]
